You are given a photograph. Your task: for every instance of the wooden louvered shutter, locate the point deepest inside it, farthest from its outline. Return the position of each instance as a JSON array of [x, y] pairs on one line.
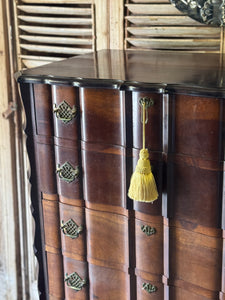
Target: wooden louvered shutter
[[157, 24], [52, 30]]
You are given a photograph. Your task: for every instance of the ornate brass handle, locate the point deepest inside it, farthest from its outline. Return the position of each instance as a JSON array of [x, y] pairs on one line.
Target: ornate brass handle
[[64, 112], [74, 281], [148, 287], [148, 102], [71, 229], [67, 172], [148, 230]]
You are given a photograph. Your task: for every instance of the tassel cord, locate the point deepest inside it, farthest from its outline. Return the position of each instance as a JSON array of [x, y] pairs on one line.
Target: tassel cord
[[143, 123]]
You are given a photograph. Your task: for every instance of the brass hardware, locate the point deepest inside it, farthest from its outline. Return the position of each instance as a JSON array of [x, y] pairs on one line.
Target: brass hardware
[[64, 112], [74, 281], [148, 287], [148, 102], [71, 229], [148, 230], [67, 172]]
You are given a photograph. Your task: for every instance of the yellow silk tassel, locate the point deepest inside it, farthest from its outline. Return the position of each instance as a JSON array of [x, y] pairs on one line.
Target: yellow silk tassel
[[142, 185]]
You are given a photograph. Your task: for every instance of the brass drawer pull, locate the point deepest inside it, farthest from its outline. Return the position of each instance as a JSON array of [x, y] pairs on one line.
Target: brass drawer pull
[[74, 281], [64, 112], [71, 229], [148, 102], [148, 287], [67, 172], [148, 230]]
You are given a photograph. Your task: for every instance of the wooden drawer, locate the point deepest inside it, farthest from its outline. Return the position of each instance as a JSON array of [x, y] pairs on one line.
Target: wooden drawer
[[65, 104], [46, 167], [153, 126], [195, 258], [75, 275], [43, 109], [55, 275], [195, 190], [73, 235], [51, 225], [102, 116], [197, 124], [104, 171], [149, 243], [107, 239], [149, 287], [110, 284], [193, 293], [68, 172]]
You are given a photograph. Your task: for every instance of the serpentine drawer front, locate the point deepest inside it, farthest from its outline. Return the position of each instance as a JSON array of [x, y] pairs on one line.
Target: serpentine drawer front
[[84, 134]]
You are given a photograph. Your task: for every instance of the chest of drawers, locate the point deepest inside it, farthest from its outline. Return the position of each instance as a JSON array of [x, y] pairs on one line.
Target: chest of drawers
[[83, 140]]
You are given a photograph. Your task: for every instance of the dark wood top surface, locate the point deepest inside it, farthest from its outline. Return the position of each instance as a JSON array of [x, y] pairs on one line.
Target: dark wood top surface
[[134, 69]]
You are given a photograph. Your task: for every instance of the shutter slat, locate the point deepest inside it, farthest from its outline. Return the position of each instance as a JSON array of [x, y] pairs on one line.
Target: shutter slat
[[153, 9], [53, 30], [162, 20], [56, 40], [174, 31], [57, 30], [175, 44], [157, 24], [58, 1], [34, 63], [58, 21], [54, 49], [148, 1], [40, 57], [54, 10]]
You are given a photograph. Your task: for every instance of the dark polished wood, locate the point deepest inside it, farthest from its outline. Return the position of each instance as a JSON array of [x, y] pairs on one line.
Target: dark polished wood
[[105, 168], [43, 109], [114, 285], [80, 267], [107, 239], [72, 190], [51, 221], [55, 275], [149, 246], [195, 259], [172, 249], [73, 247], [70, 130], [197, 122], [102, 112], [195, 72]]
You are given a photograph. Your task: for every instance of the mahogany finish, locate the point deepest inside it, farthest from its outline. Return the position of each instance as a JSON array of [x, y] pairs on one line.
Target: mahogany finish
[[101, 121], [73, 248], [149, 248], [52, 230], [70, 96], [107, 239], [80, 267], [55, 275], [173, 249], [63, 155], [108, 283], [105, 168]]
